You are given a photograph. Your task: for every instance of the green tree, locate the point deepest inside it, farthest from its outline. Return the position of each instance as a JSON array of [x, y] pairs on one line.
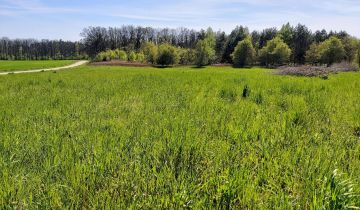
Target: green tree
[[150, 51], [301, 43], [238, 34], [287, 34], [244, 53], [332, 51], [204, 53], [205, 49], [167, 55], [350, 47], [187, 56], [275, 52], [313, 54]]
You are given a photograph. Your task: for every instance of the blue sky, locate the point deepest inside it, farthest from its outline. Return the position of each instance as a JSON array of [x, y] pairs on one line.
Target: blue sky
[[55, 19]]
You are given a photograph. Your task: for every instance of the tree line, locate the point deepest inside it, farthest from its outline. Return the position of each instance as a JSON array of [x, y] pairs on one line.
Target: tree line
[[32, 49], [289, 45]]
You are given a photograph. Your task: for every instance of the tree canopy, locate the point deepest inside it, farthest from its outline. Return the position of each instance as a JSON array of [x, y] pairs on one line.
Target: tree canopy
[[244, 53], [275, 52]]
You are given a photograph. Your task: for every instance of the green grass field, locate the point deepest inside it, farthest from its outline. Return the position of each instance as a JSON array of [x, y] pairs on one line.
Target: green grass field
[[146, 138], [30, 65]]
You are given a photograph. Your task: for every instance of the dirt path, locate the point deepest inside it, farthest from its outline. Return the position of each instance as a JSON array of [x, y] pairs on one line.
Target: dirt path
[[79, 63]]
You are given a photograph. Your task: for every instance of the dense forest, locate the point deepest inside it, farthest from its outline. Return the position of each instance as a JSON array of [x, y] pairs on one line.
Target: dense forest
[[293, 44], [31, 49]]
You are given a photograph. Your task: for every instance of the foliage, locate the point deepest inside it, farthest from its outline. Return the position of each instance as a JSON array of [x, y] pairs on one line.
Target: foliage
[[287, 34], [167, 55], [31, 49], [121, 55], [205, 50], [140, 57], [336, 192], [187, 56], [132, 56], [150, 51], [267, 35], [221, 39], [148, 138], [332, 51], [350, 48], [238, 34], [301, 43], [275, 52], [244, 53], [95, 40], [313, 54], [204, 54]]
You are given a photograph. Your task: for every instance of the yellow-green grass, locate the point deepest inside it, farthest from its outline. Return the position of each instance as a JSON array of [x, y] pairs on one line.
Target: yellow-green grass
[[147, 138], [6, 66]]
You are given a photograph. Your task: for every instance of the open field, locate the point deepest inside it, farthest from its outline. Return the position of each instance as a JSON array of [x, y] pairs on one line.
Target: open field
[[30, 65], [216, 137]]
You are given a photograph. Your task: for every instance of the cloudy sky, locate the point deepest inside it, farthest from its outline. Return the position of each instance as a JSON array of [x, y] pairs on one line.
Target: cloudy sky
[[55, 19]]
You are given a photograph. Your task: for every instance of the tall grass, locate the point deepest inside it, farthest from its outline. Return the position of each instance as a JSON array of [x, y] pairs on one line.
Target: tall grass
[[6, 66], [215, 138]]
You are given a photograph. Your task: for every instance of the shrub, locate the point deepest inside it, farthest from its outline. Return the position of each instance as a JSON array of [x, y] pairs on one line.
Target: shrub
[[246, 91], [187, 56], [102, 56], [244, 53], [167, 55], [121, 55], [150, 51], [275, 52], [132, 56], [140, 57]]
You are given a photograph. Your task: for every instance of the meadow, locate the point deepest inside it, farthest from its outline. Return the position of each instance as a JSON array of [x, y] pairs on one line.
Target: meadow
[[179, 138], [33, 64]]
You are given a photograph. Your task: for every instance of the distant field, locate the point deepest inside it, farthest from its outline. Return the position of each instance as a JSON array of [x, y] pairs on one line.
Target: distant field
[[30, 65], [178, 138]]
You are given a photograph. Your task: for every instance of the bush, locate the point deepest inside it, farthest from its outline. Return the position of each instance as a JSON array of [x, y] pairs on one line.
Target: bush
[[140, 57], [244, 53], [132, 56], [187, 56], [121, 55], [109, 55], [150, 51], [167, 55], [275, 52], [102, 56]]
